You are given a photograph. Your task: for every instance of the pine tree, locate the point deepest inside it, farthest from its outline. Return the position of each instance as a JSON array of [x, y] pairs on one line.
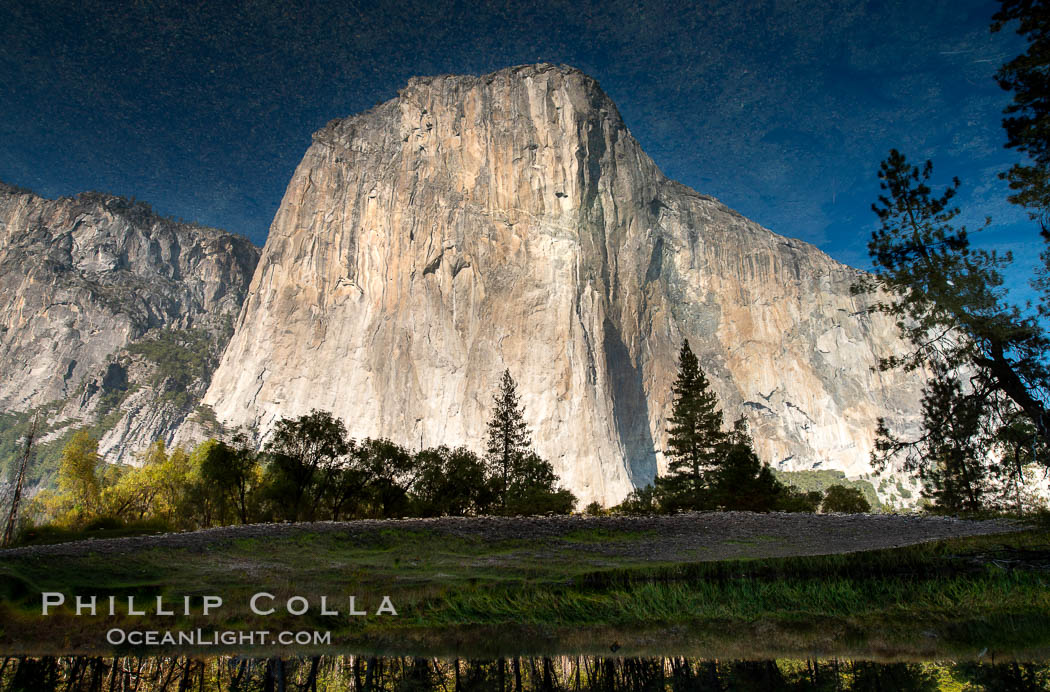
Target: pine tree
[[988, 357], [957, 440], [508, 435], [696, 441], [741, 481], [1027, 121]]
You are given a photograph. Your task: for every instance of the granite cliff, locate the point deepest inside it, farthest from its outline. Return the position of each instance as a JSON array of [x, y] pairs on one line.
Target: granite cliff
[[111, 317], [511, 221]]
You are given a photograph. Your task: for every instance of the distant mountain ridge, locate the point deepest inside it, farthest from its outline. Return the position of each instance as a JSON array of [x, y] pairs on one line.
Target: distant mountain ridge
[[111, 316]]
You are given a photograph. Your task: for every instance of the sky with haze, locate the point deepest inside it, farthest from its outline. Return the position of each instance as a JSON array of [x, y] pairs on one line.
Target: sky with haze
[[781, 109]]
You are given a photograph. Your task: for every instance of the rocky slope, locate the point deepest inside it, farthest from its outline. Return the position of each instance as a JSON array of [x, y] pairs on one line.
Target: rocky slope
[[111, 316], [511, 221]]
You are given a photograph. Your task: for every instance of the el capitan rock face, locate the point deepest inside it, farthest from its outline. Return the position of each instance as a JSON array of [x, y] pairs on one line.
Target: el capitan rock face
[[97, 294], [511, 221]]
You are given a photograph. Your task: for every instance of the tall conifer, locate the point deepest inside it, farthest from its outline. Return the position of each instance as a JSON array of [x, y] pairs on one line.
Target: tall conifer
[[696, 441], [508, 435]]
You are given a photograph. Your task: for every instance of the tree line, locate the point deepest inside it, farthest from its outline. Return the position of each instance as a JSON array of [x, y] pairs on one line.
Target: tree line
[[310, 469]]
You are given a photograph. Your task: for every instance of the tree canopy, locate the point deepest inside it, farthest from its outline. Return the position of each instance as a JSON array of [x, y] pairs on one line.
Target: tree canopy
[[986, 407]]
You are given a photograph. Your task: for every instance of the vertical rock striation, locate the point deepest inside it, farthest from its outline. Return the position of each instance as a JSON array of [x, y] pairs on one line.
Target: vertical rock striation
[[108, 311], [511, 221]]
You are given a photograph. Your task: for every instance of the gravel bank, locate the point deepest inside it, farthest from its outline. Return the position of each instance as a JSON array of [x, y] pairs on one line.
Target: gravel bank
[[681, 537]]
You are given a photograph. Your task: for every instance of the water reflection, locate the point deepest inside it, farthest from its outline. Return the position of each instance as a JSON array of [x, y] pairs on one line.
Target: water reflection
[[557, 674]]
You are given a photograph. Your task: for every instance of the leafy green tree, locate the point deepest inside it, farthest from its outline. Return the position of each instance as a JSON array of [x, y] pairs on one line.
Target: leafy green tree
[[386, 470], [508, 435], [741, 481], [210, 459], [347, 494], [523, 482], [951, 458], [696, 442], [949, 302], [1027, 125], [1027, 122], [305, 455], [839, 498], [534, 488], [451, 482], [231, 473], [78, 479], [946, 296], [1021, 451], [204, 501], [156, 489], [129, 491], [171, 478], [594, 509]]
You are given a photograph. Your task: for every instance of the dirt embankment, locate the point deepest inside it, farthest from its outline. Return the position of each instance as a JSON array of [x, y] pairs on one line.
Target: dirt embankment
[[695, 536]]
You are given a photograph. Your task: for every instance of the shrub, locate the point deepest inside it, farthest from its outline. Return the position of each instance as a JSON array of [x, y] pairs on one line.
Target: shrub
[[640, 501], [795, 500], [839, 498], [594, 509]]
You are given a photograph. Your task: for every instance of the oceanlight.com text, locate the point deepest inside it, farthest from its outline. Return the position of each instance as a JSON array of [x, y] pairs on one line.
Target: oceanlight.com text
[[198, 637]]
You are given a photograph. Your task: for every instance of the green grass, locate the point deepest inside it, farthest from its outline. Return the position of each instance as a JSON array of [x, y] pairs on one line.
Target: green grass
[[754, 540], [50, 534], [599, 535], [572, 593]]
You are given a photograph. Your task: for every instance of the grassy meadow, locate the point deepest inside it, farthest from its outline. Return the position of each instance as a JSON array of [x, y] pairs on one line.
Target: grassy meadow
[[585, 591]]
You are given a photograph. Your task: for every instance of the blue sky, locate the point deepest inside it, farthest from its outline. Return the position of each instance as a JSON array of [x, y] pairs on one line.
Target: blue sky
[[783, 110]]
